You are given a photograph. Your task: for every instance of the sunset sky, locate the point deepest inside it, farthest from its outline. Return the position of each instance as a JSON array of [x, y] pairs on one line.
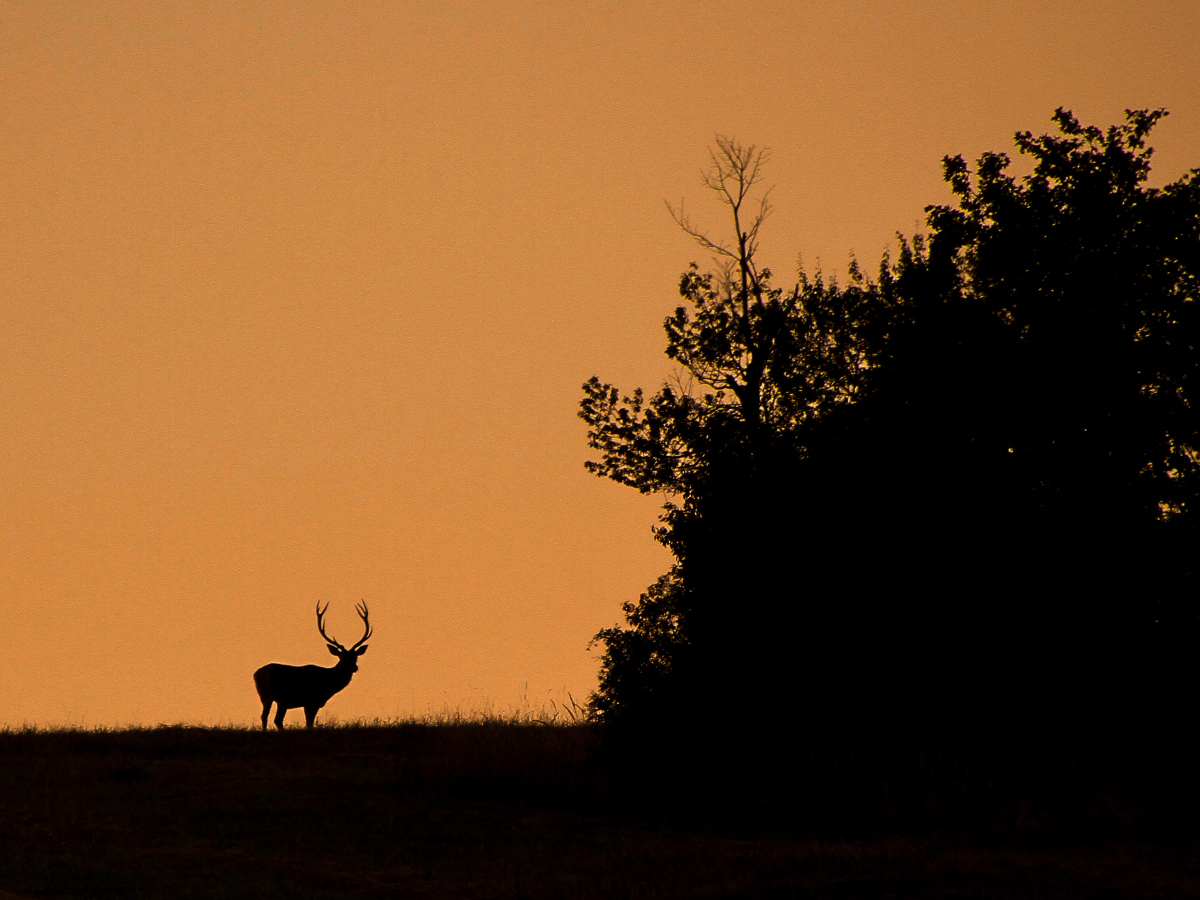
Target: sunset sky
[[297, 299]]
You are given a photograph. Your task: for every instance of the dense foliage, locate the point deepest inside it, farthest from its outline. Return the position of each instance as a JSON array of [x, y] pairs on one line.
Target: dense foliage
[[963, 491]]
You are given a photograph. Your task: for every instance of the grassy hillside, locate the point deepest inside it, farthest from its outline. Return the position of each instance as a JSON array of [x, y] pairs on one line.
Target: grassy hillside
[[493, 809]]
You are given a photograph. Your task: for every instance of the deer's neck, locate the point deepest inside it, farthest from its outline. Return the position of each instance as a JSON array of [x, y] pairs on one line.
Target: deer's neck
[[340, 674]]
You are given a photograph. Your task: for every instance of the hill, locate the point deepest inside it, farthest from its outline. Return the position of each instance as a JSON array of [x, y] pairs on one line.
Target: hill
[[495, 809]]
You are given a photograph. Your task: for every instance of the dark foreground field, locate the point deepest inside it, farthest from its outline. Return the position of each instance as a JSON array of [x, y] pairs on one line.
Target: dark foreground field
[[519, 810]]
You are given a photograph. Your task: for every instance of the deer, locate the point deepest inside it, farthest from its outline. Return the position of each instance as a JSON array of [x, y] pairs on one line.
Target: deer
[[310, 687]]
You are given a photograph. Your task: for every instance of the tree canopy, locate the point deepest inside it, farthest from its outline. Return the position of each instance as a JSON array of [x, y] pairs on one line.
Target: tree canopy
[[969, 483]]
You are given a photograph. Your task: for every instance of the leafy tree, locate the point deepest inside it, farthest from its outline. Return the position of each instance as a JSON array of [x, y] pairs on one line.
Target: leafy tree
[[758, 366], [968, 485], [1040, 373]]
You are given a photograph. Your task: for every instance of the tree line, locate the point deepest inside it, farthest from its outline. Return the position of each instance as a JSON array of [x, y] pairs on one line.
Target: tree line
[[961, 494]]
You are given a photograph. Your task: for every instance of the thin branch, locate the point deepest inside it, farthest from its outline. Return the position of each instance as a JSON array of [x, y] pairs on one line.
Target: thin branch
[[685, 223], [734, 172]]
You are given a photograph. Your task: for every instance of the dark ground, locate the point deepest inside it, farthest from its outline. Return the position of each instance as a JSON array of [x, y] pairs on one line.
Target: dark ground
[[537, 811]]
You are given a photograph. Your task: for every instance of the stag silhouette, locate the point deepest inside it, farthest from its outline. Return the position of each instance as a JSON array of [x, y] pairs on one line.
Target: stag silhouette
[[310, 687]]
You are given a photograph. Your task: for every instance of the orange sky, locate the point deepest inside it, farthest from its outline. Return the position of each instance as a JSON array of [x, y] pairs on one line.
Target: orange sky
[[297, 299]]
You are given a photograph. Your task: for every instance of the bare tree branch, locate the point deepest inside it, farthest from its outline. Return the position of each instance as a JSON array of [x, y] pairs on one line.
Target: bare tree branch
[[734, 172]]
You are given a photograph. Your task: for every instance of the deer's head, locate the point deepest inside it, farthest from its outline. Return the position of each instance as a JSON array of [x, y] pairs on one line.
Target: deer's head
[[347, 657]]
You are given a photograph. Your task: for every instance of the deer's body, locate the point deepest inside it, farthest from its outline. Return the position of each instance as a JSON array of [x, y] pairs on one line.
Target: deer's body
[[308, 687]]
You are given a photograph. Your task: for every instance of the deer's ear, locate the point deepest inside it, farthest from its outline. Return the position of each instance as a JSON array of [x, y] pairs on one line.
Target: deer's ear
[[332, 649], [363, 649]]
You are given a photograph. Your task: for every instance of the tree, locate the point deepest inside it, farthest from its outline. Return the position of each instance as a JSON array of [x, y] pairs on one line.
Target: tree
[[970, 485], [759, 366], [1039, 383], [1063, 308]]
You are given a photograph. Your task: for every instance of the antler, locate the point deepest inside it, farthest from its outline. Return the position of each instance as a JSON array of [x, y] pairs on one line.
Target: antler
[[321, 627], [361, 608]]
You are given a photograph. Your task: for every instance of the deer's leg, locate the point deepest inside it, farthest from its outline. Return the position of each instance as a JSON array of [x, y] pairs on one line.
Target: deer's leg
[[266, 712], [310, 713], [280, 712]]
